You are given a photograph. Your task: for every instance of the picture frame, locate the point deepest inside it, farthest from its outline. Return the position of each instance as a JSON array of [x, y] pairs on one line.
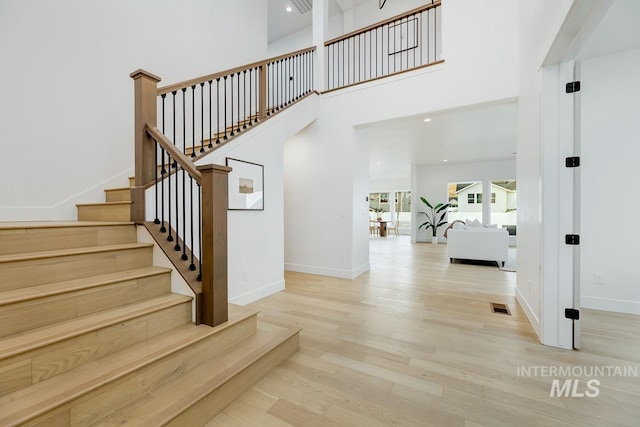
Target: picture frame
[[245, 186]]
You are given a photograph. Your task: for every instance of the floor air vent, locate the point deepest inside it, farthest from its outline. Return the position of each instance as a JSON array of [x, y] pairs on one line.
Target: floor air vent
[[499, 308]]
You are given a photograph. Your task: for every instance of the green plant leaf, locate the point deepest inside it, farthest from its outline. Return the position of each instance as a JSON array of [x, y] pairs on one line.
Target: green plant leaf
[[426, 202]]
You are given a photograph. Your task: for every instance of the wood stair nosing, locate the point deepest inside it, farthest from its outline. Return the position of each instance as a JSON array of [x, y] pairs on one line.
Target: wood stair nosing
[[36, 402], [27, 341], [254, 356], [14, 296]]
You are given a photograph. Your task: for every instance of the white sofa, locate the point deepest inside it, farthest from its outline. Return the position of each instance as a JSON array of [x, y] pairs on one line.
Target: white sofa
[[476, 243]]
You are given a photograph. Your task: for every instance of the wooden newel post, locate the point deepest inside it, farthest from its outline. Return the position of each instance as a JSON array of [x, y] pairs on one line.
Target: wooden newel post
[[146, 92], [214, 244]]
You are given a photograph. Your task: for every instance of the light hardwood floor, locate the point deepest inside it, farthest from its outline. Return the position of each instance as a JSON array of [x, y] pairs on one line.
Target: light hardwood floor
[[413, 343]]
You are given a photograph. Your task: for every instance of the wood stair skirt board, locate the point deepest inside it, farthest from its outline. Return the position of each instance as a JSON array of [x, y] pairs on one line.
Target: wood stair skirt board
[[111, 211], [90, 333]]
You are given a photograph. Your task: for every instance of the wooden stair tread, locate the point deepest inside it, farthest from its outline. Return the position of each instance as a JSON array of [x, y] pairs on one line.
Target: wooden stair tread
[[17, 225], [168, 401], [104, 204], [118, 189], [29, 402], [33, 292], [70, 252], [35, 338]]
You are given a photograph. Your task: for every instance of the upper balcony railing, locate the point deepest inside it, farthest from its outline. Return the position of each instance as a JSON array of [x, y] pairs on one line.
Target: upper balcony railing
[[402, 43]]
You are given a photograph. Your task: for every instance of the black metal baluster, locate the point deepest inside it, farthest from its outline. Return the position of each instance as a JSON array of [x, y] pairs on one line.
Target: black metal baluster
[[184, 124], [345, 59], [239, 98], [257, 91], [193, 120], [199, 278], [225, 124], [250, 99], [184, 219], [192, 266], [288, 80], [218, 110], [435, 34], [210, 116], [163, 172], [278, 81], [225, 110], [202, 117], [269, 91], [244, 99], [170, 236]]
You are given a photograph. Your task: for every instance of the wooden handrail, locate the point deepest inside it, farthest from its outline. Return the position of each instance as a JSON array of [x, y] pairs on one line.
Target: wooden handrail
[[198, 80], [382, 23], [184, 162]]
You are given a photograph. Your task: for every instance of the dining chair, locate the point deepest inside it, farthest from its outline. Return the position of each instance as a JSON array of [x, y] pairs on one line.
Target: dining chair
[[394, 226]]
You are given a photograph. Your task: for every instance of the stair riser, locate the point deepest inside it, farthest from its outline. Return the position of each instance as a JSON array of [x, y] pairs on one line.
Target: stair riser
[[109, 397], [205, 409], [116, 213], [30, 314], [118, 195], [24, 240], [20, 274], [39, 364]]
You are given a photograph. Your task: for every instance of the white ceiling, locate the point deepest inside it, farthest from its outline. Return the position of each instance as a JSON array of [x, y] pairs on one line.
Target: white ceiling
[[282, 23], [479, 133]]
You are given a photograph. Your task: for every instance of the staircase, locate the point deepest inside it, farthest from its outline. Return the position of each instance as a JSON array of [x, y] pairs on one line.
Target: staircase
[[90, 333]]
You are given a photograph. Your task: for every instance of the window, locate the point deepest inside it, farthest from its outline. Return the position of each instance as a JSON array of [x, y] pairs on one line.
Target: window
[[463, 200], [403, 209], [503, 204]]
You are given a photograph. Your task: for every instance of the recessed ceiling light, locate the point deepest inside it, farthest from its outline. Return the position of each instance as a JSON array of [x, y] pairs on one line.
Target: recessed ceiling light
[[289, 9], [377, 163], [445, 160], [427, 119]]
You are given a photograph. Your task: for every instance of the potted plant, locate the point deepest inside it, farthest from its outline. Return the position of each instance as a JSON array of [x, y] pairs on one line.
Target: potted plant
[[435, 218], [378, 211]]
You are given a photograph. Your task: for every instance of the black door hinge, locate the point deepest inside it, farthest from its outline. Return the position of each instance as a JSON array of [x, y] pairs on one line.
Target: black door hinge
[[572, 239], [572, 87], [572, 162], [572, 313]]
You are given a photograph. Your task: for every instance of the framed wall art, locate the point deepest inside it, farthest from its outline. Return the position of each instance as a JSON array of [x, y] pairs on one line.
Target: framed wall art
[[246, 185]]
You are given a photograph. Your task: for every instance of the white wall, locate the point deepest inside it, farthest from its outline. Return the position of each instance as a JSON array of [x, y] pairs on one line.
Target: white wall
[[66, 109], [303, 38], [609, 154], [432, 184], [319, 162], [256, 238], [539, 23]]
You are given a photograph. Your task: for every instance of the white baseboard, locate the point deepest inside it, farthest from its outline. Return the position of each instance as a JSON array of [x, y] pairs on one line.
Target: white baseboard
[[610, 304], [256, 294], [323, 271], [533, 318]]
